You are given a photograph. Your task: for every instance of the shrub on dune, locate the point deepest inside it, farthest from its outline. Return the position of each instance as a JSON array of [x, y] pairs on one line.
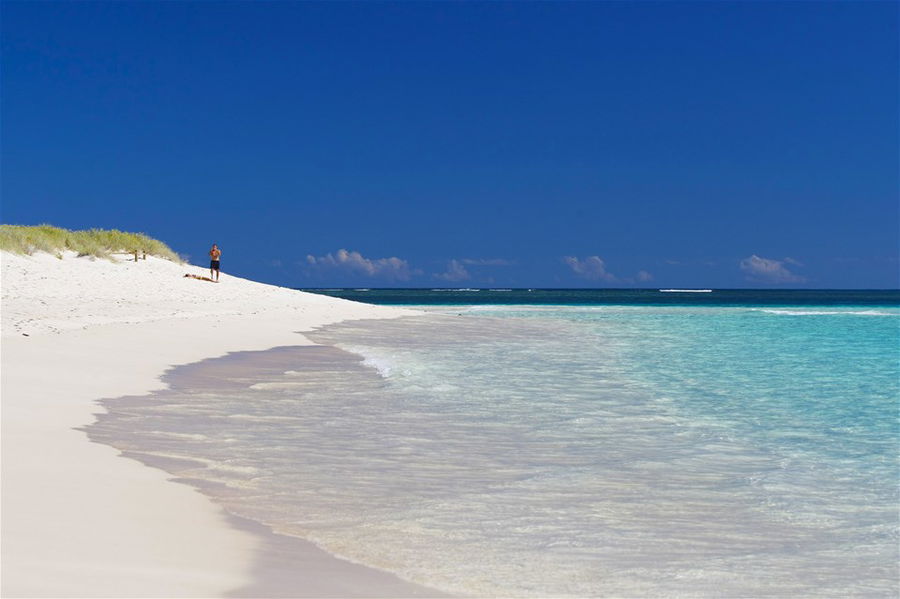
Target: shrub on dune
[[100, 243]]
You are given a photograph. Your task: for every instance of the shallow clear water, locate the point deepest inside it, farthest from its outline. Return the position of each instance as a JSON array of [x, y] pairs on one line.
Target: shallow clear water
[[561, 450]]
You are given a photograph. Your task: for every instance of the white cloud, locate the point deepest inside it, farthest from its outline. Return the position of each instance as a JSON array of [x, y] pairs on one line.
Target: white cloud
[[770, 271], [384, 268], [592, 268], [455, 272], [644, 276]]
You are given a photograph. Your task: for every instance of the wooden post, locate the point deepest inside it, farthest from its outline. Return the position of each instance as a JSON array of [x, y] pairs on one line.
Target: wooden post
[[135, 255], [145, 254]]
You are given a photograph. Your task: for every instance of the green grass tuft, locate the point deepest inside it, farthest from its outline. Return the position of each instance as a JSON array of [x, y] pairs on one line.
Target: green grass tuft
[[99, 243]]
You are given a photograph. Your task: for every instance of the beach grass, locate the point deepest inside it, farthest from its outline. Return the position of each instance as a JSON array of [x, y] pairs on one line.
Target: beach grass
[[99, 243]]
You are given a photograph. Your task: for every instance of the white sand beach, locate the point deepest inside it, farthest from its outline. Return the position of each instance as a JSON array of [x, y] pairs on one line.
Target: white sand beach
[[78, 520]]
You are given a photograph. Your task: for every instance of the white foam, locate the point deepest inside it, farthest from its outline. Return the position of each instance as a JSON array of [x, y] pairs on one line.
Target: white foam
[[381, 364], [280, 386], [685, 290], [532, 308], [175, 435], [827, 312], [232, 468], [383, 367]]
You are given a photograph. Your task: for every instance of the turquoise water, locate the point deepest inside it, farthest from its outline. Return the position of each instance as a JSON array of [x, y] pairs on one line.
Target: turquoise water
[[553, 450]]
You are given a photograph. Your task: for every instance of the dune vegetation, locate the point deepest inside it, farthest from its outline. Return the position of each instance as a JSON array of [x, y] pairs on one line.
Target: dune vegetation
[[100, 243]]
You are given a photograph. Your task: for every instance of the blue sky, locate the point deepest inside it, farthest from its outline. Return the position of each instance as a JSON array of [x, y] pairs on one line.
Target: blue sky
[[577, 144]]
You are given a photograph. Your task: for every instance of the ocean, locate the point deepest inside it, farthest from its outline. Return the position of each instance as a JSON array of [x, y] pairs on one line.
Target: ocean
[[536, 443]]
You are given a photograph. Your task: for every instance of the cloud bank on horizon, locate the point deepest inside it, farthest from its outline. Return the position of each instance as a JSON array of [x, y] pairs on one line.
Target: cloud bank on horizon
[[755, 269], [593, 268], [389, 269], [767, 270], [455, 272]]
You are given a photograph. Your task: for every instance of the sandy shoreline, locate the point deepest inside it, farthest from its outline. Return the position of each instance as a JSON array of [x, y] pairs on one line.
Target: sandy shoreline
[[78, 520]]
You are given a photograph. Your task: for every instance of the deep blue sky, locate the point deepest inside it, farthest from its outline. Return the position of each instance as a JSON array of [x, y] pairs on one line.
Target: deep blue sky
[[709, 144]]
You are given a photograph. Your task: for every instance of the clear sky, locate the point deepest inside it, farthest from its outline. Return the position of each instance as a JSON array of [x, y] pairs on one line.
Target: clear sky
[[467, 144]]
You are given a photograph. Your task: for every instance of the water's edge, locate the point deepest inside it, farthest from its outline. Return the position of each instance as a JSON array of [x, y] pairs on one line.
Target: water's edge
[[284, 565]]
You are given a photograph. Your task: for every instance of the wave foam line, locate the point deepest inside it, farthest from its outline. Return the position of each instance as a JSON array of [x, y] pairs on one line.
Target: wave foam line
[[828, 312]]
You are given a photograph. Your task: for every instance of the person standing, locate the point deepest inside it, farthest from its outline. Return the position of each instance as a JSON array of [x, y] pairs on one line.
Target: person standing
[[214, 254]]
